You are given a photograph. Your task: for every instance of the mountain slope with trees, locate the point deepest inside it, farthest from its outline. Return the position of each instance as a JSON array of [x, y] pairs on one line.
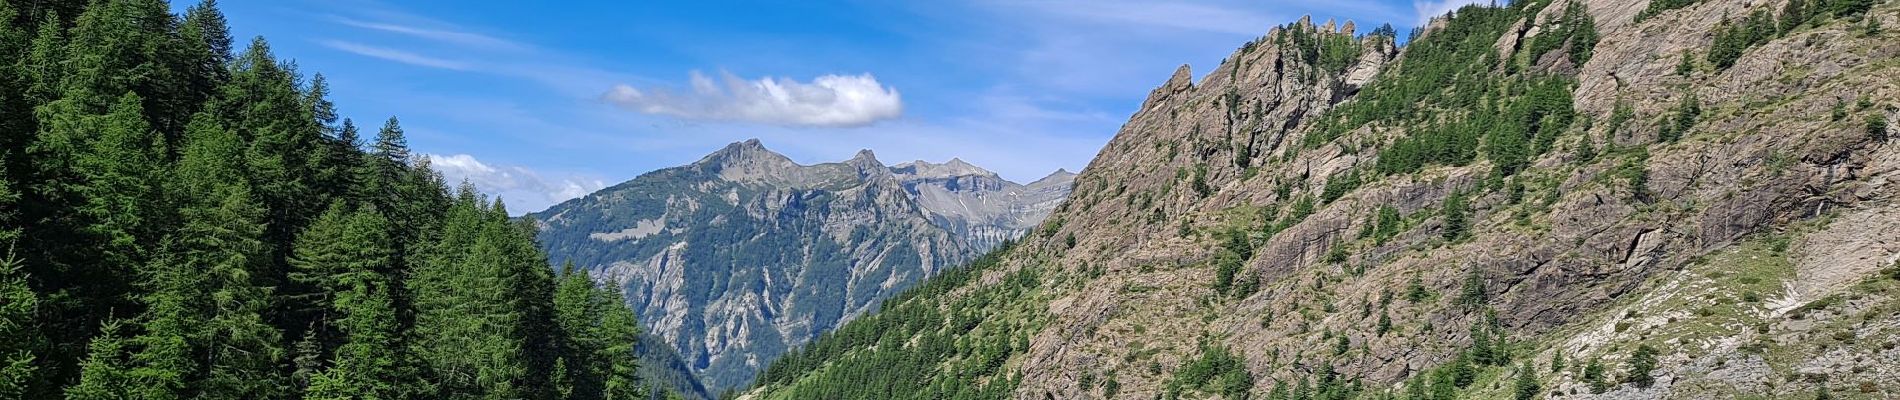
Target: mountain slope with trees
[[181, 218], [1532, 199]]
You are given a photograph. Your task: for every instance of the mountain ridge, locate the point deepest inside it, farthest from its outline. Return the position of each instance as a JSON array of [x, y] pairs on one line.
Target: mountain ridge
[[1518, 186], [745, 253]]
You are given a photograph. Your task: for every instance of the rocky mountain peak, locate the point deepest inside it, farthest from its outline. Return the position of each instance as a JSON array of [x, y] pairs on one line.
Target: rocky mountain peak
[[1061, 176], [748, 161], [956, 167]]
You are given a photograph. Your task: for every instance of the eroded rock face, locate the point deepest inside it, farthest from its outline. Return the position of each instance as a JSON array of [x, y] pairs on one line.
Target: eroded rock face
[[745, 254], [979, 205], [1129, 259]]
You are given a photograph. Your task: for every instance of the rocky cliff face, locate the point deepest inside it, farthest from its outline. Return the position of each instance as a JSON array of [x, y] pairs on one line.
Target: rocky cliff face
[[979, 205], [1323, 209], [744, 254]]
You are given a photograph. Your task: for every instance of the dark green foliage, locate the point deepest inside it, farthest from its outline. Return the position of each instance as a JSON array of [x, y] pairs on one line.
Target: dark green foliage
[[206, 289], [168, 230], [1473, 293], [1586, 148], [1329, 53], [1736, 37], [1593, 374], [18, 337], [1217, 371], [1686, 65], [1659, 6], [1635, 172], [1793, 15], [1199, 181], [1877, 126], [1457, 219], [1227, 266], [1574, 32], [1641, 363], [1619, 117], [1415, 291], [1847, 8], [1339, 185], [1681, 119], [1526, 386], [904, 350], [108, 373], [1388, 223]]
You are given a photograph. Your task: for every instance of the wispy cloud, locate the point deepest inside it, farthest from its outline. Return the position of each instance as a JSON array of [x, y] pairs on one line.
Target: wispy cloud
[[1184, 15], [451, 36], [827, 101], [1428, 9], [400, 56], [525, 189]]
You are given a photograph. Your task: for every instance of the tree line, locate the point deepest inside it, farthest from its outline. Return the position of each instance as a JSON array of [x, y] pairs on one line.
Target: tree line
[[182, 220]]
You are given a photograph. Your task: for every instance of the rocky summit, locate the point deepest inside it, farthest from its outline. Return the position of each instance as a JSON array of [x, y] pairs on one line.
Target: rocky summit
[[738, 257], [1533, 199]]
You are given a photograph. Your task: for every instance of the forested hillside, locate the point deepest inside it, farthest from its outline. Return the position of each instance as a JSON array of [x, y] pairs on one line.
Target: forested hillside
[[182, 219]]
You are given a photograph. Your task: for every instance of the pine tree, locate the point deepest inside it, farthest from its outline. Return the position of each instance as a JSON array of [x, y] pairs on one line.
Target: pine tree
[[43, 64], [621, 332], [19, 336], [1793, 15], [338, 158], [369, 364], [16, 116], [221, 242], [262, 103], [1593, 374], [337, 250], [579, 307], [93, 207], [1876, 124], [465, 333], [205, 50], [125, 46], [106, 373], [1526, 386], [1457, 223], [1641, 363], [1473, 294]]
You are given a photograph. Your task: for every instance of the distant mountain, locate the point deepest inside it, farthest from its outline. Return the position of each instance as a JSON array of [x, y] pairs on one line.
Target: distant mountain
[[744, 254], [979, 205]]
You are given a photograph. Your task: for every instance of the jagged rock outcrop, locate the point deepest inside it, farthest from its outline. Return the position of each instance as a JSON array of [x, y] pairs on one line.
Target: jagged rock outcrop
[[744, 254]]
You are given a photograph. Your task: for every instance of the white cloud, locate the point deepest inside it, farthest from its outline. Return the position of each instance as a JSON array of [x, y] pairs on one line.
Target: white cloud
[[524, 189], [1428, 9], [828, 101], [395, 55]]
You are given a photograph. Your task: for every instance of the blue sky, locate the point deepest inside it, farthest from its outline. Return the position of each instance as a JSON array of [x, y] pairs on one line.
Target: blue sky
[[540, 103]]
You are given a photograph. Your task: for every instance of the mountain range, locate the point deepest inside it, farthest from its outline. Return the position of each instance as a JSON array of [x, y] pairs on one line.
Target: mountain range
[[745, 254]]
